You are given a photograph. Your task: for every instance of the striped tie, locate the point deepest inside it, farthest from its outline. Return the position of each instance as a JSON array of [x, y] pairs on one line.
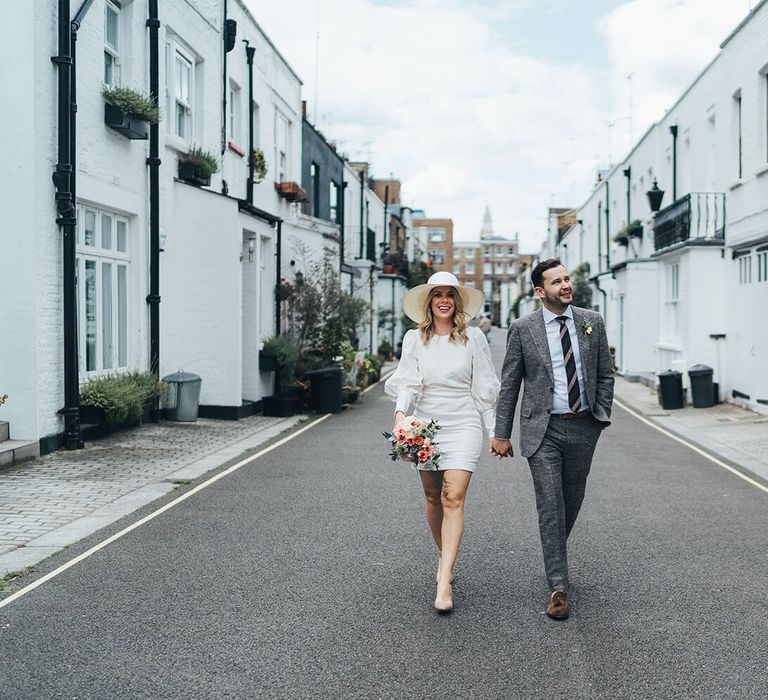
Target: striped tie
[[574, 393]]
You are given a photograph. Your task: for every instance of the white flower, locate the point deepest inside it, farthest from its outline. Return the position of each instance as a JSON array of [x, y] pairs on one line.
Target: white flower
[[586, 326]]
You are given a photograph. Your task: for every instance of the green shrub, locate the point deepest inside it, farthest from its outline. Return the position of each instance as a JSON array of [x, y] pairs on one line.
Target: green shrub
[[286, 353], [133, 102], [205, 160], [259, 162], [122, 396]]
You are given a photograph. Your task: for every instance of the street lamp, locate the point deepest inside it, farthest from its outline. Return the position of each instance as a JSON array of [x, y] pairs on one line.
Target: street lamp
[[655, 195]]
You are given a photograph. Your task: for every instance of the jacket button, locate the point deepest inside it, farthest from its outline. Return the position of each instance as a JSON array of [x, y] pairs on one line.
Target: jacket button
[[549, 410], [552, 388]]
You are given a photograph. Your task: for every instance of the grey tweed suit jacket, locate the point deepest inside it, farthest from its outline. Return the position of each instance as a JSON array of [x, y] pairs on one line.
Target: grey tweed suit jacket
[[528, 362]]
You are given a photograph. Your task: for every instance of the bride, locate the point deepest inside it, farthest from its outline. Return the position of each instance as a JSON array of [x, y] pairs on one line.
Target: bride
[[446, 371]]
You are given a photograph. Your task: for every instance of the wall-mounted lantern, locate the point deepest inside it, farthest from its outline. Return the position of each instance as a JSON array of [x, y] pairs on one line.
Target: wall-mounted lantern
[[655, 195]]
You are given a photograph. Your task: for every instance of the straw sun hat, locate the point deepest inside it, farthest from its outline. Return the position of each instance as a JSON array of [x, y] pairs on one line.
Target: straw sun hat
[[415, 301]]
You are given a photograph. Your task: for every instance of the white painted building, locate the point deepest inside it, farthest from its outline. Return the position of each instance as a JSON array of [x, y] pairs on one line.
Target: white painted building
[[217, 265], [687, 285]]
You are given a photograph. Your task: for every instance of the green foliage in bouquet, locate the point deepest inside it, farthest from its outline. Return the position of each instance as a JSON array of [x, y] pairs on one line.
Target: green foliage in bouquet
[[122, 396], [3, 398]]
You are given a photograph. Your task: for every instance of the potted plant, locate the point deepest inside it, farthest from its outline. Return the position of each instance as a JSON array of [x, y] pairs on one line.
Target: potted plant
[[119, 400], [635, 229], [621, 238], [129, 112], [259, 163], [281, 353], [197, 165]]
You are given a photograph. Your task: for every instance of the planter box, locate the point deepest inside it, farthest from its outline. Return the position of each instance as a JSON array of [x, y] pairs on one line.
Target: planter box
[[267, 363], [127, 124], [189, 172], [292, 391], [635, 232], [622, 240], [280, 406], [92, 415]]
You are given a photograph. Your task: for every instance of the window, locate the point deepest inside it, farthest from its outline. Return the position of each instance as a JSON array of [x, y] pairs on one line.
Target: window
[[436, 234], [486, 268], [102, 292], [314, 176], [499, 251], [487, 251], [179, 89], [499, 268], [469, 268], [334, 202], [765, 103], [456, 268], [745, 269], [282, 127], [234, 112], [511, 250], [111, 44], [437, 257], [762, 266], [469, 283], [457, 252], [256, 119], [671, 311]]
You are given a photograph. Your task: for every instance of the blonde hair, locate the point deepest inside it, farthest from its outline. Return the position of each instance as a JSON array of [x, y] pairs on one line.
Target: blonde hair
[[459, 325]]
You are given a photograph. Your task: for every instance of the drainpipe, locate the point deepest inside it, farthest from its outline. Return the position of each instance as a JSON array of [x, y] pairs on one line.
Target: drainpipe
[[63, 180], [278, 270], [607, 226], [224, 83], [605, 299], [250, 52], [628, 175], [362, 208], [153, 299], [387, 240], [673, 131], [599, 237], [340, 216]]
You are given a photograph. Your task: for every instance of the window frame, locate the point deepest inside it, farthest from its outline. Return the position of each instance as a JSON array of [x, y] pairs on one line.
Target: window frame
[[109, 50], [175, 50], [97, 257], [282, 164]]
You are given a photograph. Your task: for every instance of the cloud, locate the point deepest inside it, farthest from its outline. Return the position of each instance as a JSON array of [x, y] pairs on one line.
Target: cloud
[[436, 94]]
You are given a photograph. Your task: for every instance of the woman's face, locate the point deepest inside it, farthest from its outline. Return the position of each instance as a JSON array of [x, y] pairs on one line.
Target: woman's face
[[443, 302]]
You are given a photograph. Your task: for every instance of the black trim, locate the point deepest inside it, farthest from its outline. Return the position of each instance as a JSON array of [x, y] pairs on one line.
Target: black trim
[[764, 402], [51, 443], [247, 408], [738, 395]]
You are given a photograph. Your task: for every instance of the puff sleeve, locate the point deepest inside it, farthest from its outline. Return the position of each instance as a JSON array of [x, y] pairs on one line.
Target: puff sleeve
[[485, 383], [405, 385]]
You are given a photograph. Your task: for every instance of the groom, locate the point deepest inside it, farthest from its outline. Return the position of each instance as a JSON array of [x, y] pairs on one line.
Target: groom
[[561, 354]]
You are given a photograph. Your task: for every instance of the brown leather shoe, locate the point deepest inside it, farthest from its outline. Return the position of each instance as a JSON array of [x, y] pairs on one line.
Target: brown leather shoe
[[557, 607]]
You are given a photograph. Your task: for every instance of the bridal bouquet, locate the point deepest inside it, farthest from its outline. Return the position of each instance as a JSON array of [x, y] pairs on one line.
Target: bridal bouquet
[[414, 442]]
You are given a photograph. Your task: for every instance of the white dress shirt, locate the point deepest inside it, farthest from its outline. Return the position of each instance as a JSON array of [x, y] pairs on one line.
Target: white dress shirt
[[560, 395]]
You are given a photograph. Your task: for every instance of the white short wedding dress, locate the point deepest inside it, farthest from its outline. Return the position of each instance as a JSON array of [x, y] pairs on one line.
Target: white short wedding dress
[[452, 383]]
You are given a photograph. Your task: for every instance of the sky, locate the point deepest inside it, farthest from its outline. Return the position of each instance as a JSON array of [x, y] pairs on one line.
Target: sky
[[513, 104]]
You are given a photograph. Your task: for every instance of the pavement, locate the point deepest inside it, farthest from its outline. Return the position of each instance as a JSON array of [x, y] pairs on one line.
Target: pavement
[[309, 572]]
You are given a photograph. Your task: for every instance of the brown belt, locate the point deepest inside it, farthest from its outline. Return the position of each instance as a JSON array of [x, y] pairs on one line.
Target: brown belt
[[573, 416]]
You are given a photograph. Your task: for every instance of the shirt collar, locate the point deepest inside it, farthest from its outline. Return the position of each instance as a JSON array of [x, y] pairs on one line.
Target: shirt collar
[[549, 316]]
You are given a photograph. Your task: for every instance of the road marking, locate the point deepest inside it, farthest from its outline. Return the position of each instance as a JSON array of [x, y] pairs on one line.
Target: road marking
[[691, 446], [183, 497]]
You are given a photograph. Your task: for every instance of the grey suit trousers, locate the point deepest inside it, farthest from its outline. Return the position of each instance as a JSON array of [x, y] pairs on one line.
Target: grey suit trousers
[[559, 469]]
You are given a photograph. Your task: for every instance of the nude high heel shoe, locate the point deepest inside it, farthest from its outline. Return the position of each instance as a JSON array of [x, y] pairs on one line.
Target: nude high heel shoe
[[437, 576], [444, 603]]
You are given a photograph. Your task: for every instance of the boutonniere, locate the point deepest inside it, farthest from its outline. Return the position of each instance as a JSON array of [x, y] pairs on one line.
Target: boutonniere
[[586, 326]]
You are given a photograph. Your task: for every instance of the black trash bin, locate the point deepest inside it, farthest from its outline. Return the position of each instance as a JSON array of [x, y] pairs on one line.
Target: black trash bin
[[702, 387], [325, 390], [671, 389]]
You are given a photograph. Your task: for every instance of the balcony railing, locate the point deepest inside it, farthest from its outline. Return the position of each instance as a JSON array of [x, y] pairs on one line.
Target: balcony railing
[[698, 215]]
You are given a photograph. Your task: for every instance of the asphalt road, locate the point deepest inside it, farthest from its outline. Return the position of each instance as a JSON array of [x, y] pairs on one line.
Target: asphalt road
[[310, 574]]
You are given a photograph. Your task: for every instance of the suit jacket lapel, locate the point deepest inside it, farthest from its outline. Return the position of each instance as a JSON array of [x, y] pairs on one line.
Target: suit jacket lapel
[[585, 346], [539, 335]]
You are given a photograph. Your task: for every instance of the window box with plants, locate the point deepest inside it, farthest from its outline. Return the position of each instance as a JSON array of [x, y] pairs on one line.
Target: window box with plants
[[621, 238], [259, 164], [129, 112], [635, 229], [197, 165]]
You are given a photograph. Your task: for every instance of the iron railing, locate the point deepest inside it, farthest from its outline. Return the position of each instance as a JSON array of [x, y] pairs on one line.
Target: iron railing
[[698, 215]]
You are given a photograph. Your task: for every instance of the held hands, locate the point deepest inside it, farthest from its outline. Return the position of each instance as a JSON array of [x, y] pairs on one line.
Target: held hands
[[500, 448]]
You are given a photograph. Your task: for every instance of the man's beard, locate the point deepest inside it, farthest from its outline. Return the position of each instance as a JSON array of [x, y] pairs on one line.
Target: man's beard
[[557, 301]]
